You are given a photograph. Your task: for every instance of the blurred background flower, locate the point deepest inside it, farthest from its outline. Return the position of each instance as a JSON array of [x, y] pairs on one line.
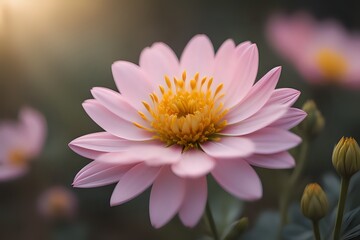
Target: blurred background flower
[[57, 202], [20, 142], [54, 51], [323, 52]]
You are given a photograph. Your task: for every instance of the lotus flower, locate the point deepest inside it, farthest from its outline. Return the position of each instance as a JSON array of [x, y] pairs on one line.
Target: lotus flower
[[323, 52], [20, 142], [176, 121]]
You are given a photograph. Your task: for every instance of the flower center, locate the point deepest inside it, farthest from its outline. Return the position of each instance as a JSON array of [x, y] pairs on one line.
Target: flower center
[[332, 64], [17, 157], [187, 113]]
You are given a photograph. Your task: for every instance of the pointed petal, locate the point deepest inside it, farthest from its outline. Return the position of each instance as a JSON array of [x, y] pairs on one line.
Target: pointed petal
[[113, 124], [115, 103], [97, 174], [166, 198], [290, 119], [244, 77], [133, 182], [132, 83], [198, 56], [224, 66], [286, 96], [238, 178], [273, 140], [100, 142], [259, 120], [229, 147], [152, 153], [256, 99], [276, 160], [194, 203], [157, 61], [193, 163]]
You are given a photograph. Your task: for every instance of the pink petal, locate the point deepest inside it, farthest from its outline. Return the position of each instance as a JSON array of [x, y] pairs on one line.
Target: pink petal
[[261, 119], [97, 174], [277, 160], [224, 66], [257, 97], [286, 96], [273, 140], [290, 119], [34, 130], [99, 143], [133, 182], [114, 124], [8, 172], [229, 147], [157, 61], [244, 77], [132, 83], [194, 202], [115, 103], [91, 154], [152, 153], [166, 198], [193, 163], [238, 178], [198, 56]]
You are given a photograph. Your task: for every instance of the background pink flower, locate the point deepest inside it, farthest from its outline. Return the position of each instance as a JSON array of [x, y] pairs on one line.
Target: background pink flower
[[322, 52], [20, 142], [175, 121], [57, 202]]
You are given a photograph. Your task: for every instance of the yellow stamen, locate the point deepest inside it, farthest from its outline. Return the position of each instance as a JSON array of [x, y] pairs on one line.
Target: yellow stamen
[[168, 82], [184, 76], [332, 64], [188, 116], [17, 157]]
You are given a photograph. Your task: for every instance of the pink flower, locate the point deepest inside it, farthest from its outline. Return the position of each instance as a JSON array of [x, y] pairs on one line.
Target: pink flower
[[175, 121], [322, 52], [20, 142], [57, 202]]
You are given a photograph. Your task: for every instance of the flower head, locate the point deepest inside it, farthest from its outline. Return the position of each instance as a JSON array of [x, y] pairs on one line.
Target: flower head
[[175, 121], [20, 142], [57, 202], [322, 52], [346, 157], [314, 203]]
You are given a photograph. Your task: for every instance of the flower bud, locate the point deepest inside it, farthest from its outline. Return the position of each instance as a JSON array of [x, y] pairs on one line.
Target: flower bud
[[314, 203], [237, 228], [346, 157], [314, 123]]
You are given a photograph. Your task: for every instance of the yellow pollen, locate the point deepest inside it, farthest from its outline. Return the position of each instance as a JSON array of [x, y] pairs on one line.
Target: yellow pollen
[[188, 116], [332, 64], [17, 157]]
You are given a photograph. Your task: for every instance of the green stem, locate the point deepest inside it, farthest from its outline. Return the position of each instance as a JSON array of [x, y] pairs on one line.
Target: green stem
[[341, 206], [294, 178], [316, 230], [211, 222]]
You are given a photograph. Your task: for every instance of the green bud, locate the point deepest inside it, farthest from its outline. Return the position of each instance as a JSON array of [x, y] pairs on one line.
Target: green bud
[[237, 228], [314, 204], [314, 123], [346, 157]]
